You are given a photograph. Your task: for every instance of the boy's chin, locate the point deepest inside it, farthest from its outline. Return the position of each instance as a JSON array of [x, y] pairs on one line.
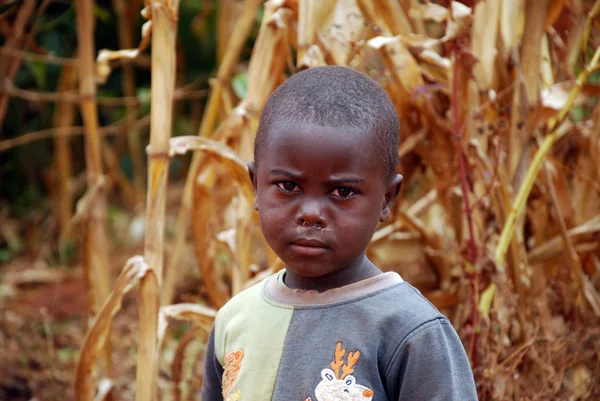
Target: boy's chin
[[309, 270]]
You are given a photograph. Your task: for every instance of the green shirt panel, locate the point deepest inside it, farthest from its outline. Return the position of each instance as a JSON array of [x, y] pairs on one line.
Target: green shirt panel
[[249, 319]]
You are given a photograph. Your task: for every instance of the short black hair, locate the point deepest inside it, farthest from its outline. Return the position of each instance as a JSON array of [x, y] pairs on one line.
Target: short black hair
[[337, 97]]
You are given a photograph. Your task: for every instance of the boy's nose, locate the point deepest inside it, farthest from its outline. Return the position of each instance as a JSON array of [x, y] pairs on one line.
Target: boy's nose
[[310, 215]]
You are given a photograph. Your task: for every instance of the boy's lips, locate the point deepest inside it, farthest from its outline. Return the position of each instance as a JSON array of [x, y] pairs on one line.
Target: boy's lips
[[308, 247]]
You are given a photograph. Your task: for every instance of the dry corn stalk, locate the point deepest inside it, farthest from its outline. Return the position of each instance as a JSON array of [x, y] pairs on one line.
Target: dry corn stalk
[[63, 117], [164, 26], [95, 256], [133, 135]]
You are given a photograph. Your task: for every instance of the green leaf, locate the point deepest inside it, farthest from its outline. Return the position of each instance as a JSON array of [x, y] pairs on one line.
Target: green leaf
[[5, 255], [102, 14], [38, 71], [240, 85], [485, 302], [469, 268]]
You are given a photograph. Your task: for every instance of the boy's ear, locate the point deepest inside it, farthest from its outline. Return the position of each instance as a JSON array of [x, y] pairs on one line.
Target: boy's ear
[[391, 194], [252, 173]]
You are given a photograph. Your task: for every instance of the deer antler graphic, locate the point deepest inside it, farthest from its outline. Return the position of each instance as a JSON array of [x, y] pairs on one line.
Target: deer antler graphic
[[338, 360], [352, 359]]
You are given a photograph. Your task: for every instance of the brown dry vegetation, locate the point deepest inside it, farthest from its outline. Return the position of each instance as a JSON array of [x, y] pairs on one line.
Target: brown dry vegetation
[[498, 223]]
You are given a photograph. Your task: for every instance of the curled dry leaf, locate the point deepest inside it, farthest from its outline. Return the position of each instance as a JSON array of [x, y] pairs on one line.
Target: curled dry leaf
[[105, 56], [182, 144], [103, 69], [192, 313], [135, 269], [84, 205]]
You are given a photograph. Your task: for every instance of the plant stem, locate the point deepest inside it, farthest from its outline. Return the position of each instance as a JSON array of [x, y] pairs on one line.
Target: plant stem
[[554, 134], [209, 118], [9, 66], [133, 136], [95, 256], [64, 115], [465, 190], [164, 28]]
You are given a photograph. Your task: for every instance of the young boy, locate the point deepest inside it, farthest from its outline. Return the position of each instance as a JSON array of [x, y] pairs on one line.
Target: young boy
[[331, 326]]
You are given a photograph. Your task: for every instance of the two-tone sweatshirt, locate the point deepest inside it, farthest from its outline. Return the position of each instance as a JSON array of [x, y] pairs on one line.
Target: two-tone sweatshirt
[[378, 339]]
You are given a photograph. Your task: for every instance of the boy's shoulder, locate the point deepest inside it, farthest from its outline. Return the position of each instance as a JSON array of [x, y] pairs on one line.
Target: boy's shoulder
[[248, 298], [402, 307]]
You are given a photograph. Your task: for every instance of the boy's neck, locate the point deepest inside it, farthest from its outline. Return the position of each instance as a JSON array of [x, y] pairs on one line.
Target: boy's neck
[[360, 270]]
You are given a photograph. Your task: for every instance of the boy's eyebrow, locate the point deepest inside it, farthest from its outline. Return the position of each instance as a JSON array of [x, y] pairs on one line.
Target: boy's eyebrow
[[345, 180], [287, 173]]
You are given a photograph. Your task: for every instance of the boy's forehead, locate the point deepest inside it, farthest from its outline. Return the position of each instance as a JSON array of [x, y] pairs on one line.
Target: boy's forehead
[[317, 146], [327, 137]]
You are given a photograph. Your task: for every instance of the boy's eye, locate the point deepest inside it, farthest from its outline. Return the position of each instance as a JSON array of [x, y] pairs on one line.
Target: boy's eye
[[288, 186], [343, 192]]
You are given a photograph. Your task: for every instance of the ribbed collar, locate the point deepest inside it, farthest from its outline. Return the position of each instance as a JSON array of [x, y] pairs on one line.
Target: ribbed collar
[[277, 291]]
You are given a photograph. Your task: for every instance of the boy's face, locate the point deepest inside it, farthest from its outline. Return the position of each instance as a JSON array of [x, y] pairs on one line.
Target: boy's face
[[320, 192]]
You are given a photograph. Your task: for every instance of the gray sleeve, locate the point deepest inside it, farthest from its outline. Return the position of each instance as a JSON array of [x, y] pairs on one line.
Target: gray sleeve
[[213, 372], [431, 364]]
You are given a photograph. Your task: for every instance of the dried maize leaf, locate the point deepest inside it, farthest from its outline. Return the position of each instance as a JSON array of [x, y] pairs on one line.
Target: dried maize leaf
[[400, 62], [483, 41], [228, 15], [555, 8], [429, 12], [135, 269], [405, 254], [391, 13], [460, 22], [372, 19], [230, 160], [312, 58], [546, 71], [312, 14], [512, 19], [194, 333], [556, 96], [265, 72], [555, 246], [435, 67], [585, 187], [345, 28], [204, 248], [535, 17]]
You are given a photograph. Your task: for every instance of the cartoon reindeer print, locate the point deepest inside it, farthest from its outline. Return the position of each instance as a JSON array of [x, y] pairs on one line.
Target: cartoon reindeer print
[[341, 386]]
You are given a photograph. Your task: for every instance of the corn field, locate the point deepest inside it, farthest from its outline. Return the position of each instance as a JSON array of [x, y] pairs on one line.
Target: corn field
[[146, 222]]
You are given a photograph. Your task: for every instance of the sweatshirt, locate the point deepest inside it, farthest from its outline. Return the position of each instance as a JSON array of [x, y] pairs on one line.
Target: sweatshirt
[[378, 339]]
